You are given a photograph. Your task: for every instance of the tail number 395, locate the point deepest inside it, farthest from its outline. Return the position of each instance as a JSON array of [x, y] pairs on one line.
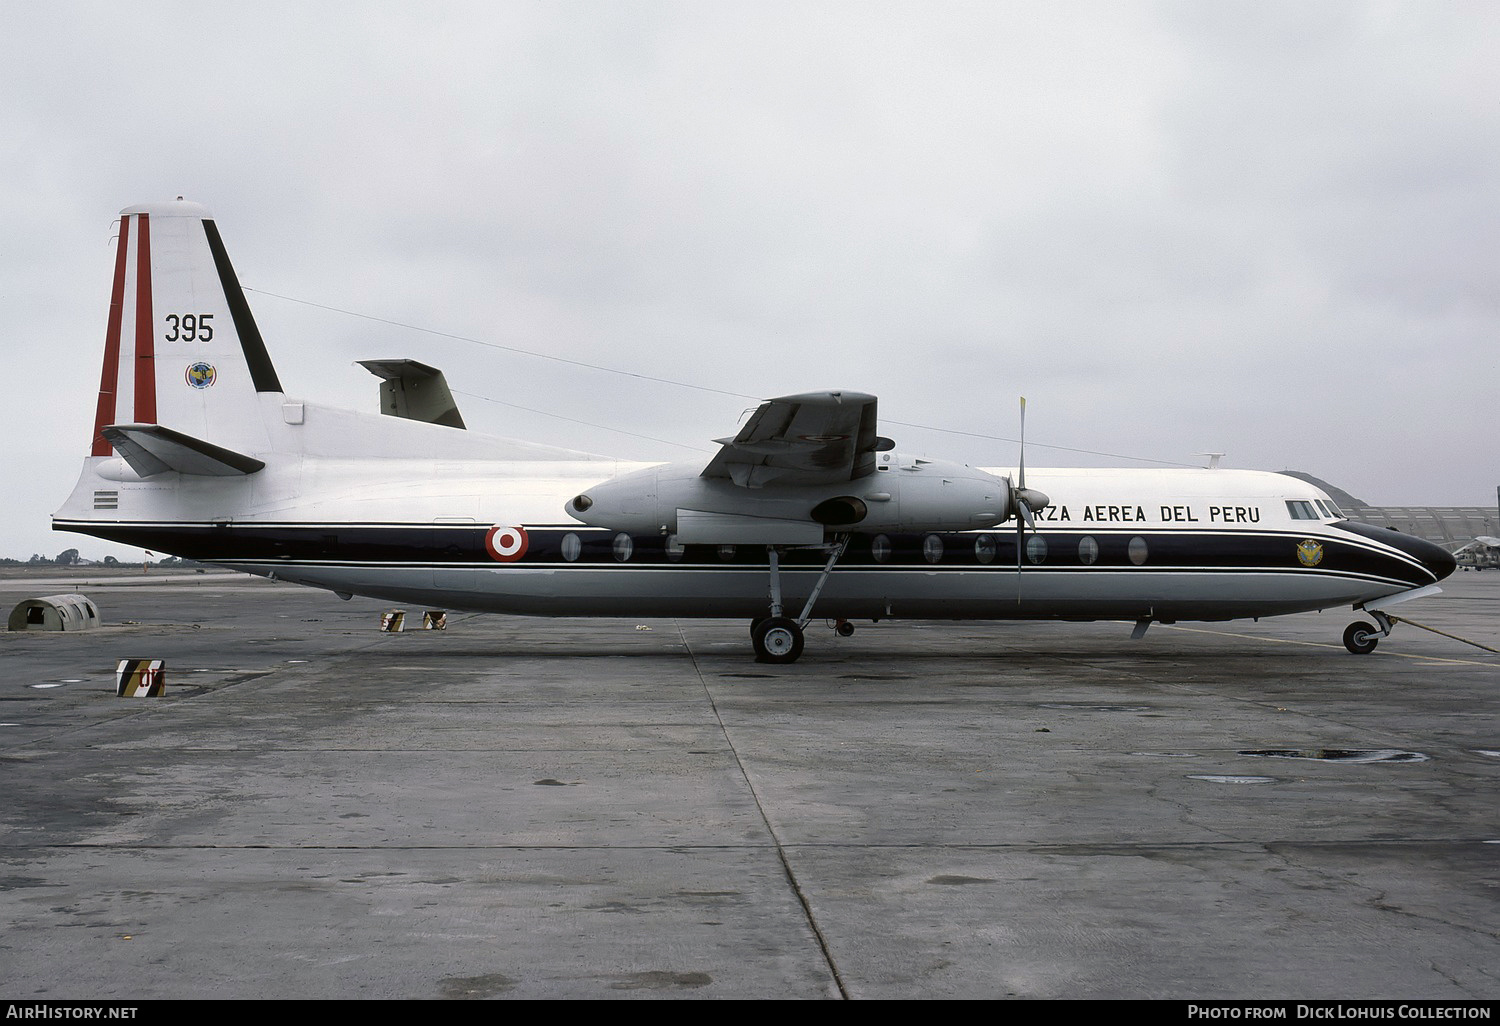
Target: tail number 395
[[190, 328]]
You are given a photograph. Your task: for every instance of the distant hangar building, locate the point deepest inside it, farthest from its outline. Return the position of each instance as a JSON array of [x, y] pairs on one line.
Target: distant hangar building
[[1448, 526]]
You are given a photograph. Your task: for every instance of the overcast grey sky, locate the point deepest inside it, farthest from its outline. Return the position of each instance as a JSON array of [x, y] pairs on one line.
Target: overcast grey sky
[[1268, 229]]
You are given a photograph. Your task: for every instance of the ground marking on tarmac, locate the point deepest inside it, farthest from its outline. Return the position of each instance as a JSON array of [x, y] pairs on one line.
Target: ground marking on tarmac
[[1429, 660]]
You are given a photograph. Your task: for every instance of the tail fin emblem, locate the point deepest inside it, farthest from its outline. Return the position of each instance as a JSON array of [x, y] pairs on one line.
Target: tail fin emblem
[[201, 375]]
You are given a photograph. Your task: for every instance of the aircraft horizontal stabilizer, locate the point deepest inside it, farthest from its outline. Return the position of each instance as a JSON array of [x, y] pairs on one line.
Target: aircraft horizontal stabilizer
[[152, 449], [414, 391]]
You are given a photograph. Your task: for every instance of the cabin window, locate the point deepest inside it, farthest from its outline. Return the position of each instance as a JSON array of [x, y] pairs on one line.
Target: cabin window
[[675, 548], [1088, 551], [623, 547], [1301, 509], [726, 553], [880, 548], [572, 547], [1137, 550], [985, 548], [1036, 548], [932, 548]]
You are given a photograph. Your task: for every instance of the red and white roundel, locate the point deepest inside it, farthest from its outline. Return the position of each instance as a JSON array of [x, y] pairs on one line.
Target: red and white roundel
[[507, 544]]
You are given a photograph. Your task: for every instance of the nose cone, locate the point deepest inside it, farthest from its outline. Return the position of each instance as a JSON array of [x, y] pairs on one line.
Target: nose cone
[[1440, 562], [1434, 559]]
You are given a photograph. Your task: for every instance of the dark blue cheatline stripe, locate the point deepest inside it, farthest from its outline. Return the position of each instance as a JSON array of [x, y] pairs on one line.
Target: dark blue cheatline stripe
[[461, 545], [725, 568]]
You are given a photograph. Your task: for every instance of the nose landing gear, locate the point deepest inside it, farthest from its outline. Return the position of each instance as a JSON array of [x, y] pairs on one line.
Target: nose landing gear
[[1361, 638]]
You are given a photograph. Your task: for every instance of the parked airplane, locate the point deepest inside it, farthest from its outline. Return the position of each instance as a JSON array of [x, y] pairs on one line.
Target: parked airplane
[[807, 509]]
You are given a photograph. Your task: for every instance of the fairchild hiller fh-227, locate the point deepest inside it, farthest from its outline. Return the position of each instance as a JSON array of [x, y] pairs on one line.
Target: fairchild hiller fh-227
[[198, 452]]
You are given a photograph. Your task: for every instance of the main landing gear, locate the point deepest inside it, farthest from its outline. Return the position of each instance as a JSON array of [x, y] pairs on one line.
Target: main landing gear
[[1361, 638], [778, 638]]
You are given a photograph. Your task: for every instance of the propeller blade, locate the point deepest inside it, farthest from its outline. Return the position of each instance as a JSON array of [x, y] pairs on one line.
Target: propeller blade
[[1021, 468], [1022, 511], [1020, 540]]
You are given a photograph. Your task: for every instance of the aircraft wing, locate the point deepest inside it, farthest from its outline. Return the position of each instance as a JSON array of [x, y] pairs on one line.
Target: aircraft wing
[[810, 439]]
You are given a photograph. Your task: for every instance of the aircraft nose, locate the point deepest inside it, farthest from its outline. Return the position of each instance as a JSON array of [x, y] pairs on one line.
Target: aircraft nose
[[1435, 559], [1440, 561]]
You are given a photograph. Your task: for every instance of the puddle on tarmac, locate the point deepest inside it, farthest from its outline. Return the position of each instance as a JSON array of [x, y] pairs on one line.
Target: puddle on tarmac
[[1339, 754]]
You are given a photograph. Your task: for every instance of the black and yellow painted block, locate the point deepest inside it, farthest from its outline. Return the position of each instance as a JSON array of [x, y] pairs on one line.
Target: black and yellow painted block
[[141, 678]]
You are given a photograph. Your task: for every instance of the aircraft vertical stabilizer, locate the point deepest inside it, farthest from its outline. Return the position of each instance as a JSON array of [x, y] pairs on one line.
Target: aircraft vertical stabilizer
[[181, 347]]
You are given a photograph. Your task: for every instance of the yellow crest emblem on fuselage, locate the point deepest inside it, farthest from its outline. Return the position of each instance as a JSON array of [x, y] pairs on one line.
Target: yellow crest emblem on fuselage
[[1309, 552]]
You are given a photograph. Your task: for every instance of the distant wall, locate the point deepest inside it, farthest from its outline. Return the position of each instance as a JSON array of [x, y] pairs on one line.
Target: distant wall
[[1449, 526]]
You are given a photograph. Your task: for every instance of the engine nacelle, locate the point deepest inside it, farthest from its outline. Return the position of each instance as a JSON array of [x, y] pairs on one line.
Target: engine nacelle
[[909, 496]]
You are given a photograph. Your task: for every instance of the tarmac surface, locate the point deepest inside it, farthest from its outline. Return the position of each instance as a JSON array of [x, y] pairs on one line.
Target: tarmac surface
[[519, 808]]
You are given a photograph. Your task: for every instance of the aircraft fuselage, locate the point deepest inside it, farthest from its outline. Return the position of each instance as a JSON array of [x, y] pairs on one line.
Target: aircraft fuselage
[[1113, 544]]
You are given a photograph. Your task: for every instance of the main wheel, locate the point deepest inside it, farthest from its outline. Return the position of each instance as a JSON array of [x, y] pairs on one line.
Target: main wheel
[[1360, 638], [778, 640]]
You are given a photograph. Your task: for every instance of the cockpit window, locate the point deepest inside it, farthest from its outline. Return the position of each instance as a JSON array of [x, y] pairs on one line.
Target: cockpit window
[[1327, 509], [1333, 509], [1301, 509]]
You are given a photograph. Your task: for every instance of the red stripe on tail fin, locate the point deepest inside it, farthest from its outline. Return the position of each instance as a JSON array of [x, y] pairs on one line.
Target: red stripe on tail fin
[[145, 353], [109, 379]]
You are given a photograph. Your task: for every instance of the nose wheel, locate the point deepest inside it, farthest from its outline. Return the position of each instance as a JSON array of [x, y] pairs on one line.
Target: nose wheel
[[1361, 638]]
